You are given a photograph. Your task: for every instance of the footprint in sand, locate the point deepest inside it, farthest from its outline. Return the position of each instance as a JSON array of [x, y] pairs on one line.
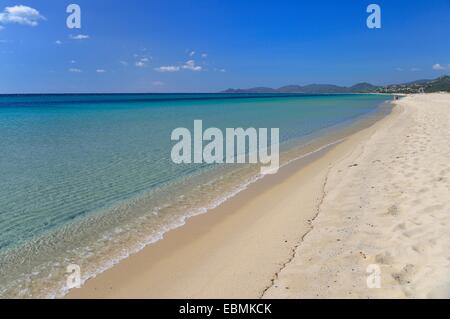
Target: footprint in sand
[[393, 210], [405, 275]]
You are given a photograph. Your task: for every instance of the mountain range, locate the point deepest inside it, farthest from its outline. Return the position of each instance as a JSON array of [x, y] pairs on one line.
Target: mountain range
[[440, 84]]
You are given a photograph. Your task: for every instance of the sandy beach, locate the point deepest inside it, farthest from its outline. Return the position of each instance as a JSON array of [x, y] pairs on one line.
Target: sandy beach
[[386, 205], [377, 199]]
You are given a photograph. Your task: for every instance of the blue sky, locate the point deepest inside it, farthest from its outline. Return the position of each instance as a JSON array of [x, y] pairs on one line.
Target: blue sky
[[210, 45]]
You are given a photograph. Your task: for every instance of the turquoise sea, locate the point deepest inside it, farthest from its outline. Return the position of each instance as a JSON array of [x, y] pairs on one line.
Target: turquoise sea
[[88, 179]]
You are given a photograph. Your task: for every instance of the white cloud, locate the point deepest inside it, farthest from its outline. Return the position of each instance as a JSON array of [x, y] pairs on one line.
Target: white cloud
[[438, 67], [100, 71], [204, 55], [169, 68], [58, 42], [124, 63], [75, 70], [190, 65], [73, 61], [80, 37], [192, 53], [140, 64], [415, 69], [21, 14]]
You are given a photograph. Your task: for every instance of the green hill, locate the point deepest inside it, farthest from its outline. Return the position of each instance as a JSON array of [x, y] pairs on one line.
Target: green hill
[[437, 85]]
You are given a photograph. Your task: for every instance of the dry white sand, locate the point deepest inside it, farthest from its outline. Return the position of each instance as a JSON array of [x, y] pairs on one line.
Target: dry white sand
[[386, 206]]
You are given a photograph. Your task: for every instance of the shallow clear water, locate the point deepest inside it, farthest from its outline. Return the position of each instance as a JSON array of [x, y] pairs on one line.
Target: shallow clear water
[[88, 179]]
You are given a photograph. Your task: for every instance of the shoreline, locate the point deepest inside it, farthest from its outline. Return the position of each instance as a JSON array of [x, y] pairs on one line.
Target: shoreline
[[238, 217]]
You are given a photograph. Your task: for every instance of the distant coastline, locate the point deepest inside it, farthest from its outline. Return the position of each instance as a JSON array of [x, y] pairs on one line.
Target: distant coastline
[[420, 86]]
